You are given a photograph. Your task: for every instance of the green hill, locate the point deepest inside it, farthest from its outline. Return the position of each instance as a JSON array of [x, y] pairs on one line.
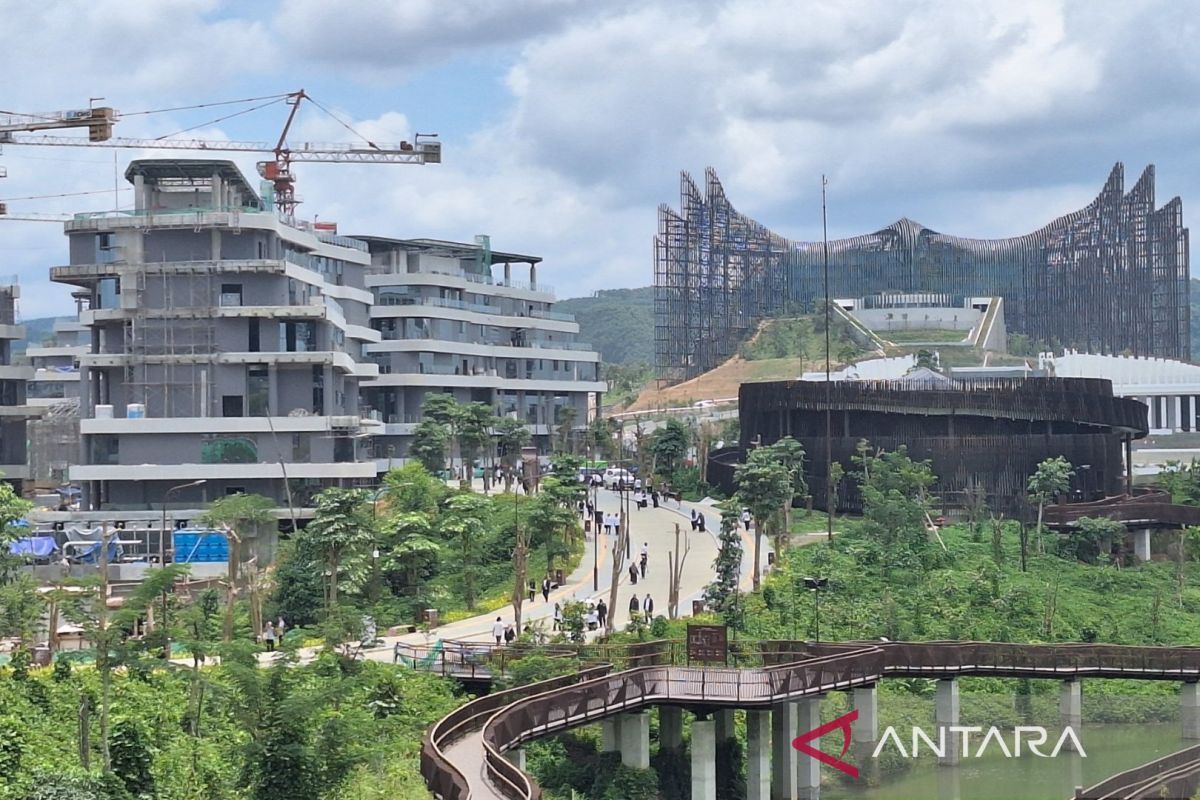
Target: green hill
[[37, 330], [619, 322]]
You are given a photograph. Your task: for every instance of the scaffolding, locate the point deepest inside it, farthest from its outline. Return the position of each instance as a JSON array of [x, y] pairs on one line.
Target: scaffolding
[[170, 339], [1109, 278], [54, 443]]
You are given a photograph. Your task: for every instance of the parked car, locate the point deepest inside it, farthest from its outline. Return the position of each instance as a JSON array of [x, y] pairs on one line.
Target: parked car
[[616, 478]]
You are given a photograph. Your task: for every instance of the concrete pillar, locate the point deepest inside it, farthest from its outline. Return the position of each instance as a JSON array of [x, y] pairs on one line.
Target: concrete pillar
[[758, 755], [670, 728], [1189, 701], [1070, 709], [610, 735], [1177, 423], [946, 715], [704, 760], [635, 740], [866, 702], [1070, 704], [726, 725], [507, 274], [1141, 544], [516, 757], [533, 276], [808, 769], [783, 755]]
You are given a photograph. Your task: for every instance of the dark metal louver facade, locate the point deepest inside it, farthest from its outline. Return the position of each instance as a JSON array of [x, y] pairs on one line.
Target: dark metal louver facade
[[1109, 278]]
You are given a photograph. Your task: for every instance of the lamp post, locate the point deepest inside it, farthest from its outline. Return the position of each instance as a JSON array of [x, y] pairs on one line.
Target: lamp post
[[817, 584], [162, 531]]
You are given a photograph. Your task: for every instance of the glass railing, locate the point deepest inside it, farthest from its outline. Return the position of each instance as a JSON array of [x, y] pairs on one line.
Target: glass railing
[[341, 241]]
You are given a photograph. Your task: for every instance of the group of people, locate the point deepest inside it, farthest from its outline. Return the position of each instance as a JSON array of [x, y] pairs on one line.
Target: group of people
[[698, 521], [504, 632], [273, 632], [639, 569]]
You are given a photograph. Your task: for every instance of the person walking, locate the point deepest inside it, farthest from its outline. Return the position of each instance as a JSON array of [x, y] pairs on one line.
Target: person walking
[[702, 523], [280, 629], [635, 606], [592, 618], [633, 574], [654, 497], [644, 558], [746, 518], [510, 634], [608, 523], [695, 519], [269, 637], [557, 617], [602, 612], [648, 606], [546, 589], [498, 630]]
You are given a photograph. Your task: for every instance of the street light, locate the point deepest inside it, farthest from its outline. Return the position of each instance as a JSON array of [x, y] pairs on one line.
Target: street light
[[162, 531], [816, 585]]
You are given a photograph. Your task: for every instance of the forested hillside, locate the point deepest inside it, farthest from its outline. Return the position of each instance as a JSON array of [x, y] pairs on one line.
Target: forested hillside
[[619, 322]]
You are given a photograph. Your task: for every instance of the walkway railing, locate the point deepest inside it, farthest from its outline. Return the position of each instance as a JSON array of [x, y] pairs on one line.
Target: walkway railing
[[1172, 776], [803, 669]]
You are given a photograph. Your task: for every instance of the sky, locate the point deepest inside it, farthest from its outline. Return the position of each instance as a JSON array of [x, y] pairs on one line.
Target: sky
[[565, 123]]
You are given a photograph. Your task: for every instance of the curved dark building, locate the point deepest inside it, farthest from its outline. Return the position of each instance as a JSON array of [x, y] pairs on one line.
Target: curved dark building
[[992, 432], [1109, 278]]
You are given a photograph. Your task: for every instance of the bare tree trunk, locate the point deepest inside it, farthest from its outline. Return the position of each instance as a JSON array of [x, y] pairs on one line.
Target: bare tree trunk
[[757, 553], [618, 554], [521, 567], [677, 561]]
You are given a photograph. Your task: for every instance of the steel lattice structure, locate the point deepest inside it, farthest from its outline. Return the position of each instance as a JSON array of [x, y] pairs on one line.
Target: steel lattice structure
[[1109, 278]]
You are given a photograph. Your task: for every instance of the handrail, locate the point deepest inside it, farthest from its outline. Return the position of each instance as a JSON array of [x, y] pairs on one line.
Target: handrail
[[1141, 780], [441, 776], [820, 668]]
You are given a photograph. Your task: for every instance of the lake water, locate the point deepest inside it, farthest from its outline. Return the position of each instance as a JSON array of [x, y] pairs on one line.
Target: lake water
[[1110, 749]]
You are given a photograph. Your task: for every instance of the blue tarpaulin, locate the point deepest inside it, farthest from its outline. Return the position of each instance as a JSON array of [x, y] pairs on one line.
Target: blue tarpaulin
[[90, 554], [36, 546]]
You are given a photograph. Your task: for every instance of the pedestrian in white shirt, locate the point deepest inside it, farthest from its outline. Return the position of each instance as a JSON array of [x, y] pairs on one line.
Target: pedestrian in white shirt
[[746, 518], [498, 628]]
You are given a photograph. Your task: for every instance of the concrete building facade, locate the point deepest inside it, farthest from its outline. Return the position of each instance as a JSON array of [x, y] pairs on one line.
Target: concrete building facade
[[452, 318], [15, 412], [225, 345]]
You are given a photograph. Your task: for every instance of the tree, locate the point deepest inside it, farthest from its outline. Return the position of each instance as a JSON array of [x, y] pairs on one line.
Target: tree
[[410, 553], [462, 524], [790, 453], [429, 444], [413, 488], [19, 606], [669, 446], [552, 517], [722, 594], [975, 505], [763, 486], [1051, 478], [234, 514], [896, 505], [338, 531], [511, 435], [473, 422], [565, 417]]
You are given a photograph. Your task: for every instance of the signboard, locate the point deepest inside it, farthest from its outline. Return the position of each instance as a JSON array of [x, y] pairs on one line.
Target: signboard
[[707, 643]]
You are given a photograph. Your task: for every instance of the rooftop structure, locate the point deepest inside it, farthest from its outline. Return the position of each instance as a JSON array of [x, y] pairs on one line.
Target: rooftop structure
[[1109, 278]]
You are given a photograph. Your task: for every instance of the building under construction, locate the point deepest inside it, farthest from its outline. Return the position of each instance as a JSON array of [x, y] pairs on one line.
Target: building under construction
[[1109, 278], [226, 345]]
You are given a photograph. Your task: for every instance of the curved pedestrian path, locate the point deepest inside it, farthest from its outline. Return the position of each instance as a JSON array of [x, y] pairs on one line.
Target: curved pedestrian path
[[790, 671]]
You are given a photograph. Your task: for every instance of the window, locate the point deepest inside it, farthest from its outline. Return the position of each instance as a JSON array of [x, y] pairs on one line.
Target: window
[[231, 294], [232, 405], [232, 490], [318, 392], [254, 344], [258, 390]]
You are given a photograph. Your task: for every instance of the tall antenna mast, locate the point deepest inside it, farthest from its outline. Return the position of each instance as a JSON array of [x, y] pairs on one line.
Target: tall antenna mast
[[829, 488]]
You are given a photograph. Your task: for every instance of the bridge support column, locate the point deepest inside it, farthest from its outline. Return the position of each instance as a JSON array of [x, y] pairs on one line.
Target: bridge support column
[[670, 728], [758, 755], [1141, 544], [866, 702], [783, 755], [726, 725], [516, 757], [610, 735], [946, 715], [635, 740], [808, 769], [1189, 700], [1070, 703], [704, 759]]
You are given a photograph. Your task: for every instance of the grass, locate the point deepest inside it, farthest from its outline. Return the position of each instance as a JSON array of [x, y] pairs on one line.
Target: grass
[[922, 335], [496, 585]]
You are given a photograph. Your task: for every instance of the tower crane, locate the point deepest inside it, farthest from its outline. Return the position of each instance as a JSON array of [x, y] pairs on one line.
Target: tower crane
[[425, 149]]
